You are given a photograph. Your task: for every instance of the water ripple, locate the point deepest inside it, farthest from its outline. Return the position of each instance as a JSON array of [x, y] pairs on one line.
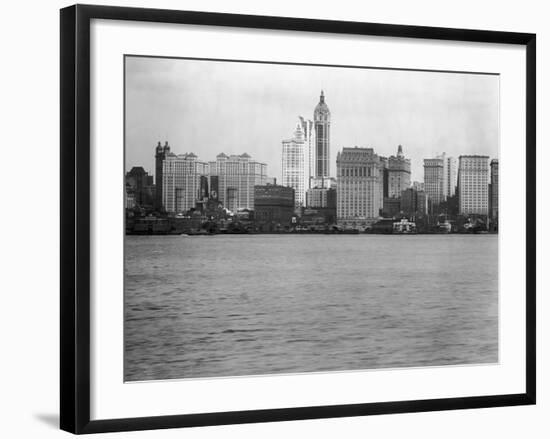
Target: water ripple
[[286, 304]]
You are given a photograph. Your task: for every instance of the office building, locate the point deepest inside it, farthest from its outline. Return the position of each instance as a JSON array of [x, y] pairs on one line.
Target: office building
[[236, 177], [181, 181], [321, 197], [142, 186], [450, 176], [399, 174], [358, 186], [214, 187], [274, 206], [391, 206], [323, 182], [294, 166], [309, 148], [413, 202], [473, 185], [321, 207], [434, 181]]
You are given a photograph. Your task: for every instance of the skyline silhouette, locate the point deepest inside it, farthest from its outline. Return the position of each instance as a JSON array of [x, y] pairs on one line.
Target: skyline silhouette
[[208, 107]]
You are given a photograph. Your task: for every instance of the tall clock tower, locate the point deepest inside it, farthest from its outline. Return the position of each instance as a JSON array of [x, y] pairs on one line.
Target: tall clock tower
[[321, 120]]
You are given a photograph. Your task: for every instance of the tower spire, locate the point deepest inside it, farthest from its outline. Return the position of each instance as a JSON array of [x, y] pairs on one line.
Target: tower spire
[[321, 119]]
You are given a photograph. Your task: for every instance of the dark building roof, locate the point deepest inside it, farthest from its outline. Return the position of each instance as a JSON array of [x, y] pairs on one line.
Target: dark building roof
[[137, 170], [271, 194]]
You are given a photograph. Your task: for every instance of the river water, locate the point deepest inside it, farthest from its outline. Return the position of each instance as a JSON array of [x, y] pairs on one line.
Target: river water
[[227, 305]]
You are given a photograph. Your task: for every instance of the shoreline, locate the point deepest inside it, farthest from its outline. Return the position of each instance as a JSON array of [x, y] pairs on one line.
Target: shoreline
[[307, 233]]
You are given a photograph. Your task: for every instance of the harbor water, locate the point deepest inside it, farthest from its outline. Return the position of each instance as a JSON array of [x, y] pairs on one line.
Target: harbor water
[[228, 305]]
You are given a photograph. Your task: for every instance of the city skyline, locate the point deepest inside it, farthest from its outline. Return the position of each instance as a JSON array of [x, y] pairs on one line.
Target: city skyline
[[427, 109], [358, 154]]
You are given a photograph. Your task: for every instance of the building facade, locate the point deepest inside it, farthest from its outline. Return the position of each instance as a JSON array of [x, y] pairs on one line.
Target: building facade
[[358, 186], [434, 181], [494, 191], [413, 202], [161, 152], [450, 176], [294, 166], [214, 187], [473, 185], [321, 197], [321, 120], [323, 182], [274, 206], [181, 181], [130, 202], [421, 203], [399, 174], [236, 177], [308, 128], [321, 205], [391, 206], [142, 185], [418, 185]]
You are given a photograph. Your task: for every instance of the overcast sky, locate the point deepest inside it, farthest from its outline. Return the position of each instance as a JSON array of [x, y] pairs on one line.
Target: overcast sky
[[208, 107]]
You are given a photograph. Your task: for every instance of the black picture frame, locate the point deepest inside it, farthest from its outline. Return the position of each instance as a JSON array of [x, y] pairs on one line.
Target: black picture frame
[[75, 217]]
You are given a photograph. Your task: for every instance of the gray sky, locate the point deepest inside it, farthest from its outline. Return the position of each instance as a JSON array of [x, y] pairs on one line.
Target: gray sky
[[208, 107]]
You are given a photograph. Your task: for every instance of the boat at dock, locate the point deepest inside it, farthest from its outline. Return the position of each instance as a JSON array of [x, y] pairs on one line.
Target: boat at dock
[[404, 227]]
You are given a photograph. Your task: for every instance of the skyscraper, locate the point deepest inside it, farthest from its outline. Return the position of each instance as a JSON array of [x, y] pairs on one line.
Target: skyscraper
[[160, 154], [309, 149], [181, 181], [399, 174], [236, 177], [294, 164], [321, 119], [358, 186], [473, 181], [450, 176], [434, 181], [142, 186], [413, 202]]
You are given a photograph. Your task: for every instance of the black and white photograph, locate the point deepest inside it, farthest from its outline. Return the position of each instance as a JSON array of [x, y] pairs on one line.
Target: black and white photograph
[[296, 218], [275, 219]]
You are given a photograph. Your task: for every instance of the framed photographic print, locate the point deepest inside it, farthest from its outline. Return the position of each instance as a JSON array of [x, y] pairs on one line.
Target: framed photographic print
[[268, 218]]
